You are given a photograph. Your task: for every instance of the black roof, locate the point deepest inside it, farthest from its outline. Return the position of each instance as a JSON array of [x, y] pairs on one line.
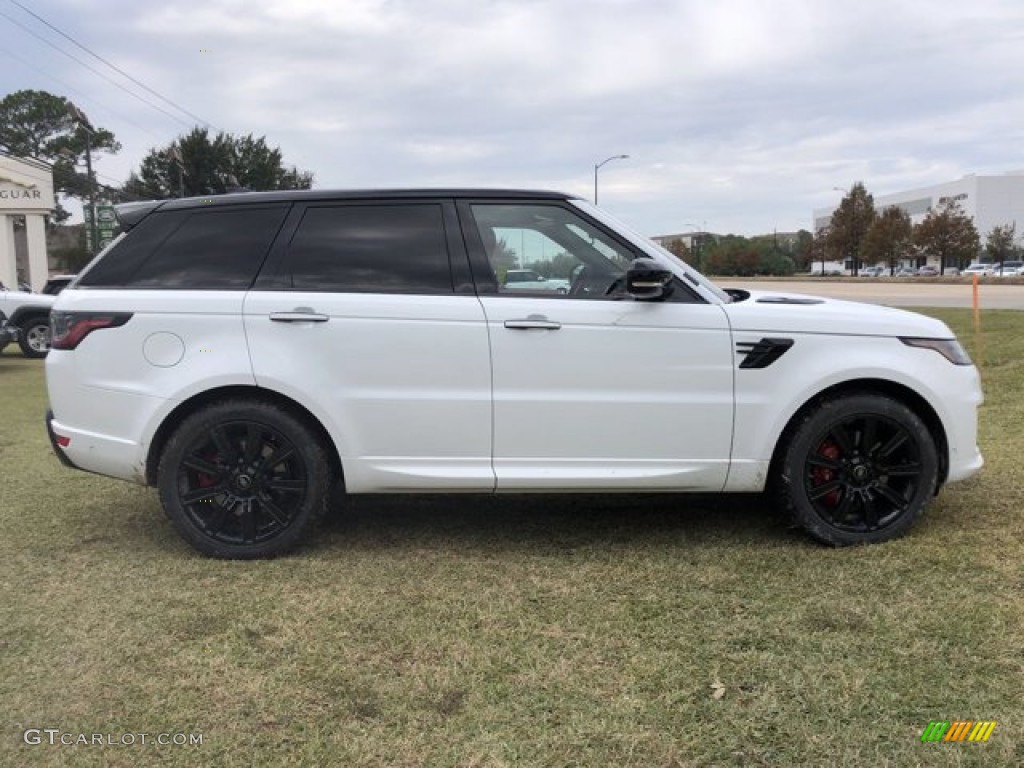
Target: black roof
[[130, 214]]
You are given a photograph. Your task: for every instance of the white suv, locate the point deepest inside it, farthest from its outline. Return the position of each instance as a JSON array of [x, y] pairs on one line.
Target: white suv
[[247, 353]]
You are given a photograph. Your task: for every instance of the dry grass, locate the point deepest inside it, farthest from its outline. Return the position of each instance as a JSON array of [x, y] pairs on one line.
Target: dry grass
[[519, 631]]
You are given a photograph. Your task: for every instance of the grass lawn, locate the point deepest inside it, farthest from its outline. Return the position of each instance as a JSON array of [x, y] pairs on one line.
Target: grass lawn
[[658, 631]]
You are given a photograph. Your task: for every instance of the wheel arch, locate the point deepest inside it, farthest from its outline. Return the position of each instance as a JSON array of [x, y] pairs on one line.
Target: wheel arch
[[195, 403], [24, 314], [899, 392]]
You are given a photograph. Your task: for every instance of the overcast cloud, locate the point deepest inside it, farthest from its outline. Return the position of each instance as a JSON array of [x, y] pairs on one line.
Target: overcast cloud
[[741, 115]]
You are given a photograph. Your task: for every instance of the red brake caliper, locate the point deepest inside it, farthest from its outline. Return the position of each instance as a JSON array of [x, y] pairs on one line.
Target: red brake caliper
[[205, 480], [822, 475]]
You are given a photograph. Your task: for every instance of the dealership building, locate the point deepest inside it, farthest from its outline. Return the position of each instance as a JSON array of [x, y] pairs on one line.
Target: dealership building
[[990, 201]]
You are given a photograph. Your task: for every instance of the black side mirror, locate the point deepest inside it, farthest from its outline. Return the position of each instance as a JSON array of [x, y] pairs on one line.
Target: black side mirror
[[647, 280]]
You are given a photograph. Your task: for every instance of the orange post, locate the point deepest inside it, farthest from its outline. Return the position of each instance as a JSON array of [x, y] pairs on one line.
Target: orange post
[[979, 350]]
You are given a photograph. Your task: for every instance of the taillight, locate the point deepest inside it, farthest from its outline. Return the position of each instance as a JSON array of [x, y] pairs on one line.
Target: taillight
[[67, 329]]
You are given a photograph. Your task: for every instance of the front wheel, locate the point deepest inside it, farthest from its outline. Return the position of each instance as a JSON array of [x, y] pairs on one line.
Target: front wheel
[[858, 469], [244, 479], [34, 338]]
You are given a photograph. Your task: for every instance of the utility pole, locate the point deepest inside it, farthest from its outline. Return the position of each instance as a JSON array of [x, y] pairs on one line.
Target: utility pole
[[84, 123]]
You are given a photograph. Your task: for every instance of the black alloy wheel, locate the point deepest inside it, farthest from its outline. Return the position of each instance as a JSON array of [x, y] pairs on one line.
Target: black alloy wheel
[[243, 479], [859, 469]]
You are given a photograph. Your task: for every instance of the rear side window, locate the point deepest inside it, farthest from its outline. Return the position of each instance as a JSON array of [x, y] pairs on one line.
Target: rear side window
[[370, 249], [220, 249]]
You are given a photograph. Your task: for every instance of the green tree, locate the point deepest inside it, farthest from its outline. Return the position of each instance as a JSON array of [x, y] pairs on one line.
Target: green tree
[[890, 236], [949, 235], [778, 263], [850, 224], [46, 127], [999, 243], [198, 164]]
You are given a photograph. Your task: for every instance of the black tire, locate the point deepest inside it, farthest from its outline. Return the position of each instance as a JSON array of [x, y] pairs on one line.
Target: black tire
[[244, 479], [857, 469], [34, 336]]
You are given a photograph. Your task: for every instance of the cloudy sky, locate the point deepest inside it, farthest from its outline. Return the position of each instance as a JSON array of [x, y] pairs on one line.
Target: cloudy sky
[[738, 115]]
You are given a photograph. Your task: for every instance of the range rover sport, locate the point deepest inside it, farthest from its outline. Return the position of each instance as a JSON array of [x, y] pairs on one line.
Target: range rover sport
[[246, 354]]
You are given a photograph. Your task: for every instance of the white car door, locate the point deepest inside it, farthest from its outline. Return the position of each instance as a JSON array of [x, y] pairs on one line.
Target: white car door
[[366, 315], [596, 392]]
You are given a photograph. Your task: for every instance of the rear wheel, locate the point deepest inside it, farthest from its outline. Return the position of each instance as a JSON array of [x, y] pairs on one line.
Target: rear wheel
[[34, 338], [858, 469], [244, 479]]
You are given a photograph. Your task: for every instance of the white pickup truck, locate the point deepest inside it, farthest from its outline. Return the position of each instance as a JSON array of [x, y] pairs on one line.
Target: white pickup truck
[[528, 280], [30, 314]]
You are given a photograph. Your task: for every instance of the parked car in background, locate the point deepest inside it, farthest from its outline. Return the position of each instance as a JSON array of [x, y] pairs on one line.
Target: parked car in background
[[529, 280], [1009, 269], [905, 272], [981, 270], [927, 271], [873, 272], [30, 314]]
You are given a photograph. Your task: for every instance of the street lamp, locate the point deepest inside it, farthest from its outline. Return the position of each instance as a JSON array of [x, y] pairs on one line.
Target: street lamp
[[84, 123], [598, 166]]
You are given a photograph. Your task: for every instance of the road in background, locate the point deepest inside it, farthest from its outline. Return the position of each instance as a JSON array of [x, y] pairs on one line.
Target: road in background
[[894, 294]]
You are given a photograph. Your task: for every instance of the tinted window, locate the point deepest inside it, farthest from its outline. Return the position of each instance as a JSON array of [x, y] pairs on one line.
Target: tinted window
[[219, 249], [371, 249], [122, 261]]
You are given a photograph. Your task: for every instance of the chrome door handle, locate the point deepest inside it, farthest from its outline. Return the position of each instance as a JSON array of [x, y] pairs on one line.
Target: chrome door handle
[[298, 317], [532, 324]]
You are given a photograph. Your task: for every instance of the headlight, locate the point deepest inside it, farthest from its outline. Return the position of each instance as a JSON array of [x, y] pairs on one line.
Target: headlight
[[948, 348]]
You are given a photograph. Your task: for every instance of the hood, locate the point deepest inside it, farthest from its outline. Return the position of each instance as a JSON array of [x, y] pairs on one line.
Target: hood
[[773, 311]]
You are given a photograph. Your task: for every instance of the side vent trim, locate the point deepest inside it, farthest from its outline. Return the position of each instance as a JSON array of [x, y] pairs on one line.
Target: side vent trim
[[761, 354]]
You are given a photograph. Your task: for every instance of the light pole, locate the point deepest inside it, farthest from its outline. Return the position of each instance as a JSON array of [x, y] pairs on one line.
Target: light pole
[[84, 123], [598, 166]]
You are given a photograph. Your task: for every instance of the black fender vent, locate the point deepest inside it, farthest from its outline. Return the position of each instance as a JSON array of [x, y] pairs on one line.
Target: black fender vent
[[789, 300], [761, 354]]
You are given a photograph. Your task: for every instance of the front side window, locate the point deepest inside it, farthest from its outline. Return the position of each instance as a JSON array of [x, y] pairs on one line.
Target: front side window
[[547, 250], [371, 249]]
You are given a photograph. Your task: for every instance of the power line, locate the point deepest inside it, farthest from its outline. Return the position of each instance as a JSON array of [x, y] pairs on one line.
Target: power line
[[96, 71], [87, 98], [115, 67]]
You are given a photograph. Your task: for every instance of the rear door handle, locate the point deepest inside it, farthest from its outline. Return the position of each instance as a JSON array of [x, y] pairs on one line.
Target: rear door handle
[[532, 323], [298, 316]]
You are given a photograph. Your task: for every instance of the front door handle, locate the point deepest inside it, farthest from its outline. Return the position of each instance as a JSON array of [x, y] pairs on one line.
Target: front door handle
[[301, 315], [533, 323]]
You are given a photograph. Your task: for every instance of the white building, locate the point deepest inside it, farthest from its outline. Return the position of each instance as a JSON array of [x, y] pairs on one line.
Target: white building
[[26, 198], [989, 200]]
